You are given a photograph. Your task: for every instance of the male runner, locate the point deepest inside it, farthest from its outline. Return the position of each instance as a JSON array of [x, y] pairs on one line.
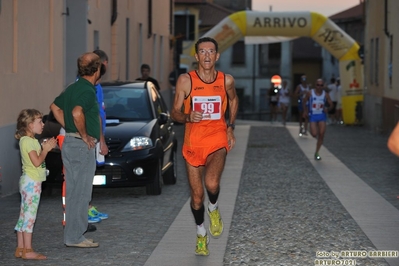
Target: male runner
[[316, 110], [202, 97], [300, 91]]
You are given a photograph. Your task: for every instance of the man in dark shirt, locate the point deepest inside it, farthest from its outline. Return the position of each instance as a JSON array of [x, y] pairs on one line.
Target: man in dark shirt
[[145, 76], [273, 102], [76, 109]]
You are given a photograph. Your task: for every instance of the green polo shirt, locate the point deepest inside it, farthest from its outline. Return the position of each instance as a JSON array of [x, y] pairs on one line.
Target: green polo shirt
[[80, 93]]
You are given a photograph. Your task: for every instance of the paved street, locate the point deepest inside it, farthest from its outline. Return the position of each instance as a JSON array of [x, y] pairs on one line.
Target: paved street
[[279, 205]]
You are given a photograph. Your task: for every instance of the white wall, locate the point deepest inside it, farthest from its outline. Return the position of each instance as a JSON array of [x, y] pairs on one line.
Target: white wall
[[10, 161]]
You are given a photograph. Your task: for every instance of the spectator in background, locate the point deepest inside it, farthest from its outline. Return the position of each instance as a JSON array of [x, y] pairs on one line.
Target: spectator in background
[[76, 109], [332, 91], [284, 100], [300, 92], [145, 76], [338, 109], [94, 216], [93, 213], [273, 102], [33, 156]]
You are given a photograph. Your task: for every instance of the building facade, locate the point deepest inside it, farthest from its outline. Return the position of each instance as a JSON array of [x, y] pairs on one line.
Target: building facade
[[381, 97], [40, 45], [352, 21]]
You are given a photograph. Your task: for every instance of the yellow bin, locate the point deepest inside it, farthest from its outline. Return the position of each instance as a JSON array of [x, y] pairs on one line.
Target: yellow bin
[[349, 108]]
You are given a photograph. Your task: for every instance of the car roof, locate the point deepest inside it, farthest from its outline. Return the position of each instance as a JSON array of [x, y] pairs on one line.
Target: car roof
[[118, 83]]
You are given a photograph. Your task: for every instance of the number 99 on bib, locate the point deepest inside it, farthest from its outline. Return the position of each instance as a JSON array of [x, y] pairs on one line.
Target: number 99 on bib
[[208, 105]]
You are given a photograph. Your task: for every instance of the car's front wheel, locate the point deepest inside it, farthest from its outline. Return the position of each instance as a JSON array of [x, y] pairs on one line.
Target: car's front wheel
[[155, 188]]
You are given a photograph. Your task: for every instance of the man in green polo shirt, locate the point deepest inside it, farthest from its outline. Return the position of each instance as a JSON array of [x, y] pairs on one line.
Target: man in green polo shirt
[[76, 109]]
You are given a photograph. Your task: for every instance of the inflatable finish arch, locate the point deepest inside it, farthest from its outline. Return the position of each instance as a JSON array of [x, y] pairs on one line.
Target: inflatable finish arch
[[300, 24]]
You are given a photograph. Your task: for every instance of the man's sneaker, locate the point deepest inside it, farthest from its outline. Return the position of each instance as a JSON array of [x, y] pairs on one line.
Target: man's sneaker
[[317, 157], [216, 223], [202, 245], [94, 213], [93, 220]]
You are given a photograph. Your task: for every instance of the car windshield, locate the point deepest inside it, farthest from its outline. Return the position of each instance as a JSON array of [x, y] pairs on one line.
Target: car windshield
[[127, 104]]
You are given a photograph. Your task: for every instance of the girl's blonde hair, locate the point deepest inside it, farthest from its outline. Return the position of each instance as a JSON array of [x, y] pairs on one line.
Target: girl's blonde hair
[[26, 117]]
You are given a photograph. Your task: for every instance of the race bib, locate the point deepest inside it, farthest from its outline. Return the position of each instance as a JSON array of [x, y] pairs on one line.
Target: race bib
[[209, 105], [317, 108]]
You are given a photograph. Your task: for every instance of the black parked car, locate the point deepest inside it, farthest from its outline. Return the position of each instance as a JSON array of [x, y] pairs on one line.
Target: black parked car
[[140, 138]]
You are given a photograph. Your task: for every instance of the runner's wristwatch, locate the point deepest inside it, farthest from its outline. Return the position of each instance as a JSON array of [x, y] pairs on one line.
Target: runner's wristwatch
[[233, 126]]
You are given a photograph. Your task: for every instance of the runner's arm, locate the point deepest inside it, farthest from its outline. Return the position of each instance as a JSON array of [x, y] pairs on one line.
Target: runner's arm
[[330, 103], [233, 108], [305, 105], [183, 87], [297, 92], [233, 98]]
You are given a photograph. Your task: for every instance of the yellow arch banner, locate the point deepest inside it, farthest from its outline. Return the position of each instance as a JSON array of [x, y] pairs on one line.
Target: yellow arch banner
[[300, 24]]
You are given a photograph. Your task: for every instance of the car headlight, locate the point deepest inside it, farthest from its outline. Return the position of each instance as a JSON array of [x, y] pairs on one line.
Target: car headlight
[[138, 143]]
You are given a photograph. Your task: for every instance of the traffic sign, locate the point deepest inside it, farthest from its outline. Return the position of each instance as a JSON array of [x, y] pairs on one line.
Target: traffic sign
[[276, 80]]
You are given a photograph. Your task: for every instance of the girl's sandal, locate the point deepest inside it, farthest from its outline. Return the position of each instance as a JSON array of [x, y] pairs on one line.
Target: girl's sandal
[[37, 257], [18, 252]]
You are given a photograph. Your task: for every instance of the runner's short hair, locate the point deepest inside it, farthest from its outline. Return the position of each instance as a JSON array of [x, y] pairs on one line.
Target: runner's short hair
[[206, 39]]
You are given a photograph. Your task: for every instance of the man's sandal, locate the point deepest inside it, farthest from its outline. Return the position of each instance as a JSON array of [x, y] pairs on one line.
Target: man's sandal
[[37, 257], [18, 252]]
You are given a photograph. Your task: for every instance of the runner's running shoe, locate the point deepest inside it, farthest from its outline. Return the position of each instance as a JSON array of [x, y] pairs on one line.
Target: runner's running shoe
[[94, 213], [300, 131], [202, 245], [317, 156], [216, 223]]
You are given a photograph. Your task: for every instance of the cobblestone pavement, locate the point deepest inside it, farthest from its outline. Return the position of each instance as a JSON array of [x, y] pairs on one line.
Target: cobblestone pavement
[[366, 154], [284, 211], [137, 223]]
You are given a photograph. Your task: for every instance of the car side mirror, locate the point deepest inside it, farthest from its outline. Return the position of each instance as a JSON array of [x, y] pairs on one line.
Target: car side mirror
[[163, 118]]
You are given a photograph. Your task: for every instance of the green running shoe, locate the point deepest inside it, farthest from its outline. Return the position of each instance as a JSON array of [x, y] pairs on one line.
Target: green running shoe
[[216, 223], [94, 213], [202, 245], [317, 156]]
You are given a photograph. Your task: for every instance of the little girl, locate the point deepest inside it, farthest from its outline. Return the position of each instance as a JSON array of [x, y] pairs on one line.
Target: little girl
[[30, 123]]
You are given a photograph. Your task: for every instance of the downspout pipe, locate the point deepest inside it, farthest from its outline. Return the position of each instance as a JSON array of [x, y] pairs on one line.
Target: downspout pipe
[[386, 19], [114, 12]]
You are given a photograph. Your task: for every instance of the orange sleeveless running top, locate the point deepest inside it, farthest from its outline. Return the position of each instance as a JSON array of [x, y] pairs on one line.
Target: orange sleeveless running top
[[211, 99]]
